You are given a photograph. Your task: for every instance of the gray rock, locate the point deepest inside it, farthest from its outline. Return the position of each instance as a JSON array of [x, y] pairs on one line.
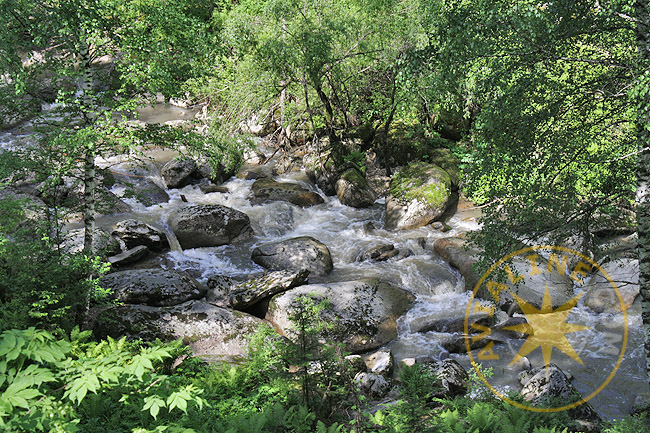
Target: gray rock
[[128, 257], [353, 190], [541, 384], [372, 385], [154, 287], [135, 233], [250, 292], [457, 253], [380, 362], [295, 254], [363, 313], [219, 290], [103, 243], [265, 190], [601, 296], [453, 377], [209, 225], [418, 195], [178, 172], [213, 333]]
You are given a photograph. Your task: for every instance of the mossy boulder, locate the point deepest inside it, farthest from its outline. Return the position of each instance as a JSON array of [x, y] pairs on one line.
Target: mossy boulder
[[364, 313], [353, 190], [213, 333], [418, 195], [445, 159]]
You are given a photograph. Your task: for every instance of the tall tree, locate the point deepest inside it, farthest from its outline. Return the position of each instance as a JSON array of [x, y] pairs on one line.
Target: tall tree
[[97, 60]]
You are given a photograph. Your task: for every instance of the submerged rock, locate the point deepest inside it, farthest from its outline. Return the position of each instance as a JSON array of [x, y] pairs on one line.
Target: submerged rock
[[155, 287], [363, 313], [379, 253], [295, 254], [209, 226], [266, 190], [418, 194], [213, 333], [353, 190], [141, 189], [135, 233]]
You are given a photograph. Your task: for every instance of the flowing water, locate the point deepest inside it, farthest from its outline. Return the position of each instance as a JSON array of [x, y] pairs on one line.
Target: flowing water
[[439, 288]]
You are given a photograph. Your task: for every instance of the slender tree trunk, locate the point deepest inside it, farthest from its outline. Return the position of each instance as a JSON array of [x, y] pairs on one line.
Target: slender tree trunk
[[90, 116], [643, 171]]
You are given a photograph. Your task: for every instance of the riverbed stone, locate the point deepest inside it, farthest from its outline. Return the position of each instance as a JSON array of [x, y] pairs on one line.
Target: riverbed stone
[[178, 172], [418, 195], [601, 296], [213, 333], [154, 287], [452, 324], [250, 292], [209, 225], [363, 313], [379, 253], [353, 190], [460, 255], [454, 380], [295, 254], [129, 256], [136, 233], [266, 189]]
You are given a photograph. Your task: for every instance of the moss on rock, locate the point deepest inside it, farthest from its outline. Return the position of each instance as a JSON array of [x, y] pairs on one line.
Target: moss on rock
[[421, 181]]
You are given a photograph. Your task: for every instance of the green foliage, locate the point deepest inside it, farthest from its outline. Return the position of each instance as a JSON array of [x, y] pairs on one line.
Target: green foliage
[[631, 424], [47, 384]]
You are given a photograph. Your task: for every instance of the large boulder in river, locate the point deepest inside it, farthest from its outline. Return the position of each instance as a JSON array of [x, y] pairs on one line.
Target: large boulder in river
[[601, 295], [363, 313], [135, 233], [178, 172], [213, 333], [154, 287], [266, 190], [138, 186], [295, 254], [353, 190], [461, 256], [418, 195], [209, 225]]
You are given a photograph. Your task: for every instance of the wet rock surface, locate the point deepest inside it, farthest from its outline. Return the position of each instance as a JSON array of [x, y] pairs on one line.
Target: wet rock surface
[[209, 225], [265, 190], [295, 254], [135, 233]]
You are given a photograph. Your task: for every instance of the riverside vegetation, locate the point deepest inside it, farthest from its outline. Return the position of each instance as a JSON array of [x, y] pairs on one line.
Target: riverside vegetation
[[536, 112]]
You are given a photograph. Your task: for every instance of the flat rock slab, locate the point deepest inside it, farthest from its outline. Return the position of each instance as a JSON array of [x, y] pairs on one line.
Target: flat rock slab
[[128, 257], [265, 190], [154, 287], [209, 226], [250, 292], [213, 333], [364, 313], [295, 254]]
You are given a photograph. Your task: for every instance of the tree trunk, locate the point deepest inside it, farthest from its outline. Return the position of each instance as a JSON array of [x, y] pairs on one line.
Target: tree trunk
[[643, 171], [90, 115]]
